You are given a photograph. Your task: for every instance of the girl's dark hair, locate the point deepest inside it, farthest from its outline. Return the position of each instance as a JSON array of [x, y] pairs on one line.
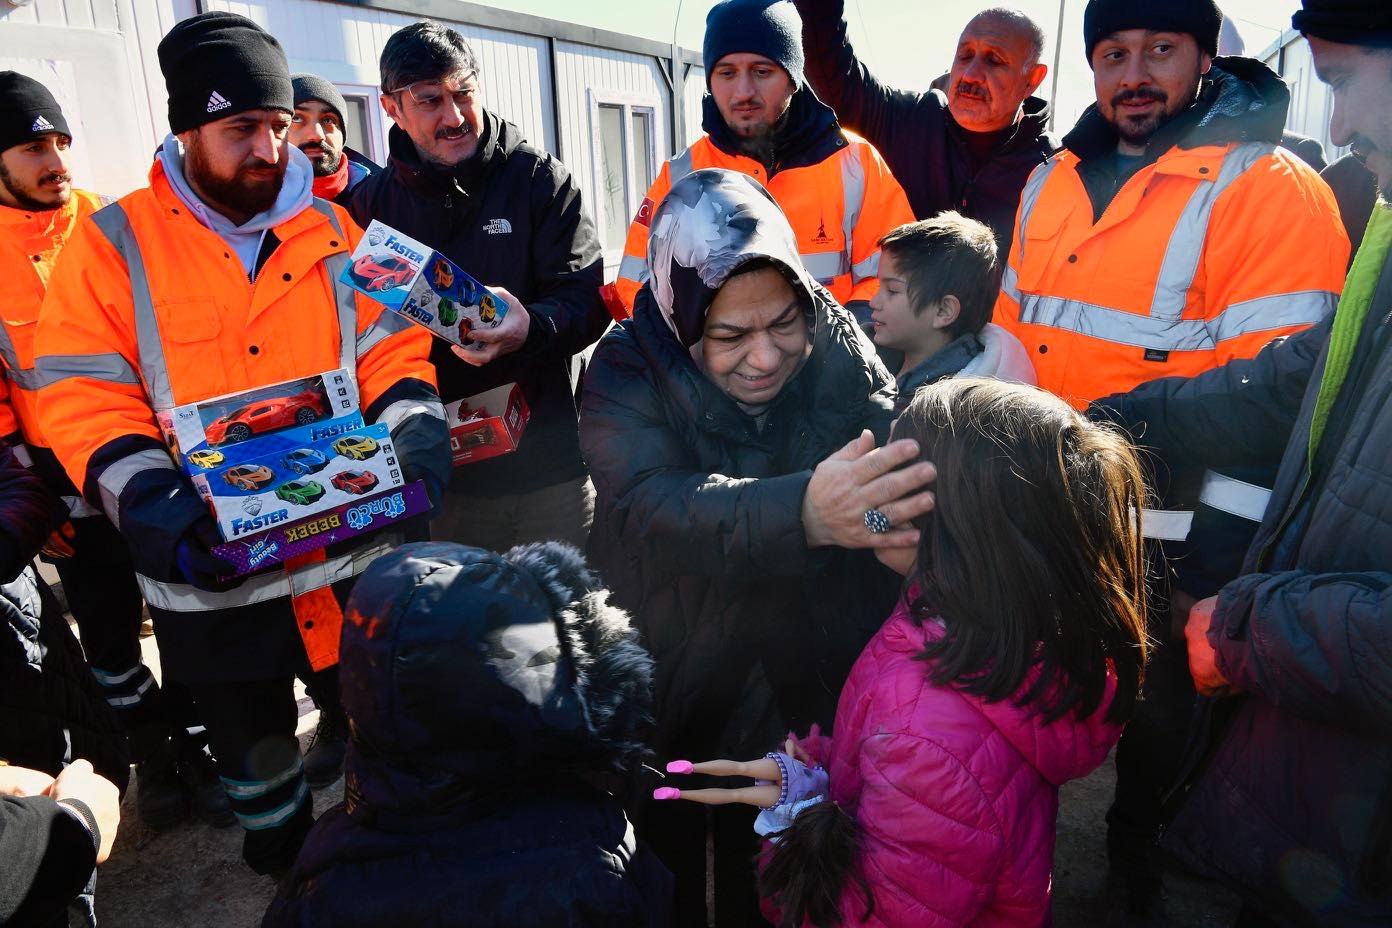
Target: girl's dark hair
[[809, 866], [1032, 556]]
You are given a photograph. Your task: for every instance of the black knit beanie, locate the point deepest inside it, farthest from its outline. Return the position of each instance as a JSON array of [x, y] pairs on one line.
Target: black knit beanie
[[27, 110], [771, 28], [219, 64], [313, 87], [1200, 18], [1348, 22]]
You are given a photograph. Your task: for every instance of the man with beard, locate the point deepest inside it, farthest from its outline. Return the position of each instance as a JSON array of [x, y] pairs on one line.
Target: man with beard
[[317, 129], [762, 119], [465, 181], [968, 147], [221, 277], [1287, 789], [1170, 236], [39, 210]]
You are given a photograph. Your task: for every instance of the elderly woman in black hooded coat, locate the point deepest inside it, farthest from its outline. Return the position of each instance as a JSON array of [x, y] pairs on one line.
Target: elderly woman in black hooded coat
[[737, 498]]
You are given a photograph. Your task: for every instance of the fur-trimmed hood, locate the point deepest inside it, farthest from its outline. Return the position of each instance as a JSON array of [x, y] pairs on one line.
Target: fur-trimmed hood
[[466, 672]]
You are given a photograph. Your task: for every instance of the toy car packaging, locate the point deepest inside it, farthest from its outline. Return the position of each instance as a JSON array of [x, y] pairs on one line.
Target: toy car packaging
[[299, 479], [359, 516], [241, 427], [421, 284], [488, 424]]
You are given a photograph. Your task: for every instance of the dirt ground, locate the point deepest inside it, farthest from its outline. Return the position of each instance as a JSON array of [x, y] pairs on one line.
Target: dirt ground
[[193, 877]]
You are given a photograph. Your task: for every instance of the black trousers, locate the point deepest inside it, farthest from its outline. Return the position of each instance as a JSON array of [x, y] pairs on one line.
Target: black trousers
[[251, 729], [104, 599], [1148, 759]]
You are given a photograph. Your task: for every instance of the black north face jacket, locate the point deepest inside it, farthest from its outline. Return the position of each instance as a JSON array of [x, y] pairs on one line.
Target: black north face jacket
[[511, 216]]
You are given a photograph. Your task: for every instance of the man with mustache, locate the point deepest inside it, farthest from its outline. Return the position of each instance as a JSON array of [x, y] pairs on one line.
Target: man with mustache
[[220, 277], [464, 180], [317, 129], [762, 119], [969, 146], [1170, 236], [39, 211]]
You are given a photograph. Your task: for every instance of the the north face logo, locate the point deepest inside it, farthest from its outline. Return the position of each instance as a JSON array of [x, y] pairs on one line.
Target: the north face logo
[[217, 102], [497, 227], [41, 125]]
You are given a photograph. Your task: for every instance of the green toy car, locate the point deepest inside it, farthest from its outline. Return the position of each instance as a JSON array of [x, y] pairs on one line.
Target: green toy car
[[300, 492]]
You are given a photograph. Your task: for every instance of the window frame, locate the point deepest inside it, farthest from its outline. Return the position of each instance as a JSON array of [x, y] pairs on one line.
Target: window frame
[[628, 103]]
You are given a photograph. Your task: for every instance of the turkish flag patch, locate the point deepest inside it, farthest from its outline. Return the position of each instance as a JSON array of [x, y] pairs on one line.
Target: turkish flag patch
[[645, 212]]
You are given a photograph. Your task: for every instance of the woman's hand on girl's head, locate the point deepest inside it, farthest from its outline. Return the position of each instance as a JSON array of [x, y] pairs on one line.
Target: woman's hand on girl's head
[[859, 478]]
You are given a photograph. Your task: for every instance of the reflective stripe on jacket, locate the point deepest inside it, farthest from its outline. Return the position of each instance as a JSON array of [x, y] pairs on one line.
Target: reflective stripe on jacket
[[1203, 256], [168, 318], [29, 245], [839, 208]]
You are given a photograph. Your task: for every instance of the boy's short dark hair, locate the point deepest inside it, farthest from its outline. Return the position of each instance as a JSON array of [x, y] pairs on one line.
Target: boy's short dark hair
[[424, 51], [948, 255]]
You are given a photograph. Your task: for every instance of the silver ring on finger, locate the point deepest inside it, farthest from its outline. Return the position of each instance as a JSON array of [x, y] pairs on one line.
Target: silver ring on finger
[[877, 522]]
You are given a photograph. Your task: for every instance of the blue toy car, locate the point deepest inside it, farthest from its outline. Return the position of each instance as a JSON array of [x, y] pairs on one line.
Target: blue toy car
[[305, 461]]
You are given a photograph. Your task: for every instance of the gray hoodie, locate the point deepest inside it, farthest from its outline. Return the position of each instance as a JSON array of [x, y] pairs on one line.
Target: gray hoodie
[[296, 193]]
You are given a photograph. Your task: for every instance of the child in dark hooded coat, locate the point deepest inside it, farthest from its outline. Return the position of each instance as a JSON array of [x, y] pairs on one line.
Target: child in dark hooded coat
[[497, 703]]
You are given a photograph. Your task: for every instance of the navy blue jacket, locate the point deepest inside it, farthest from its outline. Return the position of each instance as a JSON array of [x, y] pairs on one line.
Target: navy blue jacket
[[1288, 797], [492, 699]]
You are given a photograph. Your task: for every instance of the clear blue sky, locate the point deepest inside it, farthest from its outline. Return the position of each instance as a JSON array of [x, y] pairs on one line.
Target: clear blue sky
[[906, 43]]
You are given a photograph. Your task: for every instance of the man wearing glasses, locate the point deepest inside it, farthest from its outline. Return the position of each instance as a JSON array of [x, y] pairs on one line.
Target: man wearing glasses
[[463, 180]]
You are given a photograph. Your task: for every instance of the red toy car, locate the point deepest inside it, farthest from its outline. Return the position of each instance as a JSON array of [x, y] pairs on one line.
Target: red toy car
[[356, 482], [267, 416], [381, 273]]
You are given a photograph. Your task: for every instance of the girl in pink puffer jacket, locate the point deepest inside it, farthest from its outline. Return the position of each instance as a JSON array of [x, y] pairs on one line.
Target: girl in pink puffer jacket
[[1006, 671]]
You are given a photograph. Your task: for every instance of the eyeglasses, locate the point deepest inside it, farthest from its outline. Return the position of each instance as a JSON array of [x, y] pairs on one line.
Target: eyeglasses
[[428, 95]]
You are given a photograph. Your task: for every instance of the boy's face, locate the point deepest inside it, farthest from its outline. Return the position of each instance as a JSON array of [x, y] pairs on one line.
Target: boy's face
[[897, 326]]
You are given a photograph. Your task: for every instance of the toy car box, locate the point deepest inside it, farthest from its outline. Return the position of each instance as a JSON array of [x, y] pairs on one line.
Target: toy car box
[[296, 479], [421, 284], [275, 545], [242, 427], [488, 424]]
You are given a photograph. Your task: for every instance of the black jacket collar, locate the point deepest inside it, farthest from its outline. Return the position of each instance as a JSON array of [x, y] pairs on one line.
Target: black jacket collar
[[1241, 100], [1031, 127], [808, 133]]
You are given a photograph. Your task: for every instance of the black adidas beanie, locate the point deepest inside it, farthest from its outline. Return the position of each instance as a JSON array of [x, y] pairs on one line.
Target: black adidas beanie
[[771, 28], [313, 87], [27, 110], [219, 64], [1200, 18]]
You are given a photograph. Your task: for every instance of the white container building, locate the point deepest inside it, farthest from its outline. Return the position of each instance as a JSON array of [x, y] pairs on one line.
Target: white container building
[[604, 103]]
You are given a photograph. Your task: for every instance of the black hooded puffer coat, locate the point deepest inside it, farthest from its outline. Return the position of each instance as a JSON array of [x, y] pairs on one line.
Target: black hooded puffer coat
[[489, 699], [698, 517]]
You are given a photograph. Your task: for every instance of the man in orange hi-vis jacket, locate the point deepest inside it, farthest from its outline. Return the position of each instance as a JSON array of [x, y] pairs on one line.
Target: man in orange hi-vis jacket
[[1170, 236], [39, 211], [220, 277], [761, 119]]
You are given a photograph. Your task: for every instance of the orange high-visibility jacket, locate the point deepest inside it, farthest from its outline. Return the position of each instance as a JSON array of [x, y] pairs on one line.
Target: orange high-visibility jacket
[[839, 208], [149, 309], [1204, 256], [29, 245]]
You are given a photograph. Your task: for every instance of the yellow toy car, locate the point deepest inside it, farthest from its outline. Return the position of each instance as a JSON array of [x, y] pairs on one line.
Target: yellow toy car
[[207, 459], [356, 447]]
